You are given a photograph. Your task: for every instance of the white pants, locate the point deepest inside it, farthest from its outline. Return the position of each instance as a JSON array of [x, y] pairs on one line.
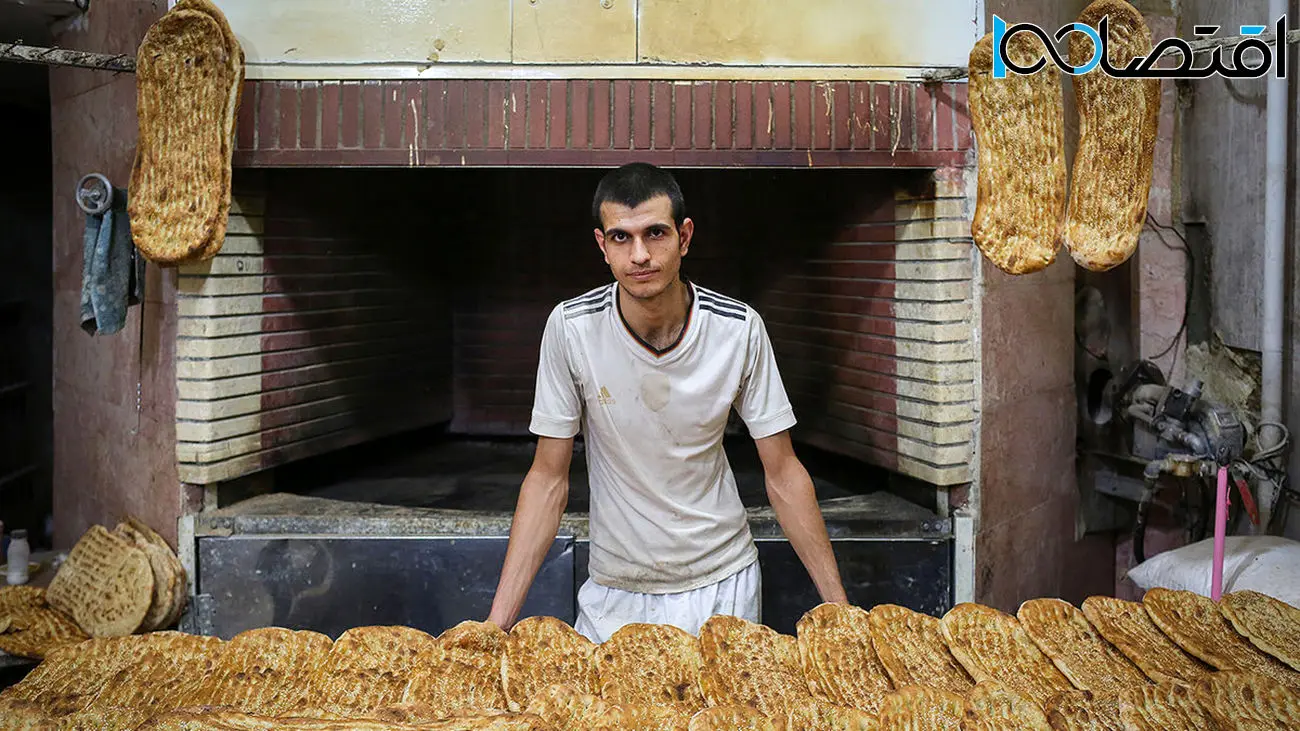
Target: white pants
[[602, 610]]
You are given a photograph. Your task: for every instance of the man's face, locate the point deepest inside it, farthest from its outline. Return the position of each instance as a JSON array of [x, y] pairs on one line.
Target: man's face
[[642, 245]]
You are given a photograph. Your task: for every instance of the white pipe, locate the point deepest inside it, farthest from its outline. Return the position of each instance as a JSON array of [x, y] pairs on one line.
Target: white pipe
[[1275, 169]]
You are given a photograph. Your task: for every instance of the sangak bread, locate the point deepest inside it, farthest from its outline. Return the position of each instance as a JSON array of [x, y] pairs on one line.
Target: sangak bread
[[912, 650], [566, 708], [838, 660], [748, 664], [186, 84], [542, 651], [180, 587], [1249, 701], [366, 668], [107, 719], [1270, 624], [821, 715], [35, 633], [1196, 624], [461, 671], [26, 717], [69, 678], [733, 718], [1127, 626], [106, 585], [993, 646], [1082, 655], [263, 671], [1082, 710], [992, 706], [164, 579], [640, 717], [918, 708], [651, 664], [1019, 125], [1118, 119], [219, 720], [29, 627], [1164, 707], [166, 671], [236, 57]]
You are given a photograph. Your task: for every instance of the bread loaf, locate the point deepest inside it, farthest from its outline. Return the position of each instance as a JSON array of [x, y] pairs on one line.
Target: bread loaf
[[187, 85], [1019, 125], [1111, 177]]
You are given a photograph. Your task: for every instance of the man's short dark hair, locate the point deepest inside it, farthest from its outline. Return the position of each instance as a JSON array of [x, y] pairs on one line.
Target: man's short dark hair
[[634, 184]]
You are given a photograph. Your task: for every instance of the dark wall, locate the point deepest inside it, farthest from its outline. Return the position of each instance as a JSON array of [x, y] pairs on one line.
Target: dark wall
[[26, 436]]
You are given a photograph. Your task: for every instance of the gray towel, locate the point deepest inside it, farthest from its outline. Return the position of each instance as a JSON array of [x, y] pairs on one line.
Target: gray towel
[[112, 271]]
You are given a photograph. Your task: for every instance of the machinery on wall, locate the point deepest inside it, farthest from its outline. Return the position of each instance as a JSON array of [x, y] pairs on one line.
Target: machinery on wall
[[1178, 438]]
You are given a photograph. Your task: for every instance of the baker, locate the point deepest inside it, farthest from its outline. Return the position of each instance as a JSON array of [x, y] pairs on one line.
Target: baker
[[648, 369]]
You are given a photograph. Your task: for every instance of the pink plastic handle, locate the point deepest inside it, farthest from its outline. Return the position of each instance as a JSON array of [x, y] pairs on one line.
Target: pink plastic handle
[[1220, 531]]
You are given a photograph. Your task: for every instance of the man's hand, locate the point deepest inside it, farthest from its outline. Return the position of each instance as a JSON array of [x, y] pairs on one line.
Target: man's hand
[[537, 519], [790, 489]]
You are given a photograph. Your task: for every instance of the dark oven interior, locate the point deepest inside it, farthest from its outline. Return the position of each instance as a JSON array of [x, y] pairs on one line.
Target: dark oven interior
[[401, 313]]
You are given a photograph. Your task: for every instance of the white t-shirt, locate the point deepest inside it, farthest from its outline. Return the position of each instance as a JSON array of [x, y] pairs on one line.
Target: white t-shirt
[[665, 513]]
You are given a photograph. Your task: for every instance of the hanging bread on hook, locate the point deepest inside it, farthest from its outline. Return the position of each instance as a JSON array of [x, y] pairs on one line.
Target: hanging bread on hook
[[189, 74], [1118, 120], [1019, 124]]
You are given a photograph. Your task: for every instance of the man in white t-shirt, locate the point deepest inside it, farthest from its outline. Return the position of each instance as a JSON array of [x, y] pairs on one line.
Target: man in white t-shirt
[[648, 369]]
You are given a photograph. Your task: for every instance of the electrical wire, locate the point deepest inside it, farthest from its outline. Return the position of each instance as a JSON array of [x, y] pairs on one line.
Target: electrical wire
[[1191, 276]]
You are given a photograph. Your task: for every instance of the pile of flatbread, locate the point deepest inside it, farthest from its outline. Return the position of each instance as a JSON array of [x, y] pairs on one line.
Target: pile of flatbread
[[1027, 206], [114, 583], [1174, 661]]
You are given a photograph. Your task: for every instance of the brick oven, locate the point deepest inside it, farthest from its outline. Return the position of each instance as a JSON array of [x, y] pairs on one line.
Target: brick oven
[[368, 334]]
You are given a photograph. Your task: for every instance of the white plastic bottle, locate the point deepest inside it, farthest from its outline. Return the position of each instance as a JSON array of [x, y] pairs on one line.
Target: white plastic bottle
[[19, 554]]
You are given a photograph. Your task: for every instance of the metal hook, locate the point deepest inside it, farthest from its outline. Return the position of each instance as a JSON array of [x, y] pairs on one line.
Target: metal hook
[[96, 199]]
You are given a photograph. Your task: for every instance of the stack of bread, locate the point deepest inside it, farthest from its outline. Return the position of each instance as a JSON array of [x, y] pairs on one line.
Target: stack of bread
[[113, 584], [1176, 660]]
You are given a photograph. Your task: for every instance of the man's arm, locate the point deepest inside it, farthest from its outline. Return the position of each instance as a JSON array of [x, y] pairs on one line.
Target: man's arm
[[542, 498], [790, 489]]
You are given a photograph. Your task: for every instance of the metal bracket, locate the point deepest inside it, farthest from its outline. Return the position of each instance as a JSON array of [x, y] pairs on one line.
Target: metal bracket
[[198, 616]]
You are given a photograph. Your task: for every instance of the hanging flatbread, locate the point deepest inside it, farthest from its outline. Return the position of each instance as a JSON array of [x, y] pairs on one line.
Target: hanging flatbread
[[1082, 655], [912, 650], [1113, 163], [1128, 627], [1019, 125], [187, 84]]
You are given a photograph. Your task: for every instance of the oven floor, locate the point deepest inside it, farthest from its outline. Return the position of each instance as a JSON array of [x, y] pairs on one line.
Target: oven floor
[[485, 475]]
